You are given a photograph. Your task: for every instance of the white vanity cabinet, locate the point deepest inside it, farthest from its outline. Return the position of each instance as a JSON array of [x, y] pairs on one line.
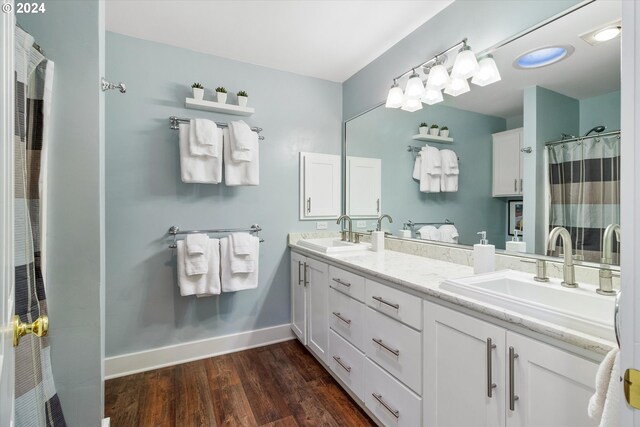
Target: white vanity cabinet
[[507, 163], [364, 187], [551, 387], [320, 177]]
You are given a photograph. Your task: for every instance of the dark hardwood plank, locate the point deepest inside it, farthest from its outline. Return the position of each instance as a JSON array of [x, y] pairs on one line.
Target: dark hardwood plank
[[284, 422], [342, 407], [231, 405], [194, 406], [157, 398], [121, 400], [307, 365]]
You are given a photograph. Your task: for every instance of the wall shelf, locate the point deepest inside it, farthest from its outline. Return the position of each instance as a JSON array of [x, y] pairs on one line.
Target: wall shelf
[[218, 107], [432, 138]]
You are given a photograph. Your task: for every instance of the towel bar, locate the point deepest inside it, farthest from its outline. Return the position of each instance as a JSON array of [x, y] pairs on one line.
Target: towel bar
[[174, 123], [175, 230]]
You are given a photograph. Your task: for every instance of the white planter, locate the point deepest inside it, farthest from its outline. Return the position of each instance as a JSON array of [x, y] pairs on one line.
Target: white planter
[[434, 131], [424, 130], [242, 101], [444, 132], [198, 93], [221, 97]]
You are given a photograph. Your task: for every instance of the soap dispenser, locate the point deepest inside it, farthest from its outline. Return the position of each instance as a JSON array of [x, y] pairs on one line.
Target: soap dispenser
[[515, 245], [483, 255]]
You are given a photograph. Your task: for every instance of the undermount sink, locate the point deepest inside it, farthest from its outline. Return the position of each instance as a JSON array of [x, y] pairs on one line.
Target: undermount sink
[[580, 309], [332, 245]]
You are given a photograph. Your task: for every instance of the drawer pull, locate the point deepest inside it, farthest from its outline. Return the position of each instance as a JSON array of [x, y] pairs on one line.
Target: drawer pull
[[341, 363], [386, 347], [339, 316], [490, 384], [390, 304], [300, 277], [512, 386], [340, 282], [393, 412]]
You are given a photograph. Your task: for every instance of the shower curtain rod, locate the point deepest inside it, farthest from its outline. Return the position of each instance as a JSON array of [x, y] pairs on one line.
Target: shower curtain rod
[[580, 138]]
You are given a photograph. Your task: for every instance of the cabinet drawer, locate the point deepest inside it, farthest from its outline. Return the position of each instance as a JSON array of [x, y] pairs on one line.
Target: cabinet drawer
[[347, 283], [395, 347], [346, 317], [347, 363], [391, 402], [400, 305]]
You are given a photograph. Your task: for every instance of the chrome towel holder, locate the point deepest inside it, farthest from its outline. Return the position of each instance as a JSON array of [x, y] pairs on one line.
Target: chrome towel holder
[[174, 230]]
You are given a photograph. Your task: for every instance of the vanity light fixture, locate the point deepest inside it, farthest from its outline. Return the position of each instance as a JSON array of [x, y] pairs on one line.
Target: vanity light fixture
[[438, 77], [457, 86], [432, 96], [543, 56], [466, 64], [395, 98], [487, 73], [414, 88], [411, 104]]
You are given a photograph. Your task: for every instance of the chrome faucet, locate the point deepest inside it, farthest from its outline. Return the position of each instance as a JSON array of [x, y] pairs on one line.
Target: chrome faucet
[[569, 270], [348, 218], [606, 275], [379, 227]]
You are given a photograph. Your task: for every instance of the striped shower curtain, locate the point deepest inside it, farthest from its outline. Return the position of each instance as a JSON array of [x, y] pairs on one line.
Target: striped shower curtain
[[36, 403], [584, 179]]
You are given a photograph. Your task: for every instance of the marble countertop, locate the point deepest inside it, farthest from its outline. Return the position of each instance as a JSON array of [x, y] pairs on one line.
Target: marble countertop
[[424, 275]]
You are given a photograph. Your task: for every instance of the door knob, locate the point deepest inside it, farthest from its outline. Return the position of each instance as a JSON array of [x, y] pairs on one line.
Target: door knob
[[39, 328]]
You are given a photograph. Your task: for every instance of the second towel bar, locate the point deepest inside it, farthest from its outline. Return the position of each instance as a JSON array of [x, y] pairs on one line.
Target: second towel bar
[[175, 122]]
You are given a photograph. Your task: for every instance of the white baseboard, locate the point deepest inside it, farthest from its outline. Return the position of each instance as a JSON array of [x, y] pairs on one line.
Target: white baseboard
[[106, 422], [126, 364]]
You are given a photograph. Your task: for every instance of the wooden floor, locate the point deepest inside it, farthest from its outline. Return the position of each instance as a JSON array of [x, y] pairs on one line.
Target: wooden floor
[[277, 385]]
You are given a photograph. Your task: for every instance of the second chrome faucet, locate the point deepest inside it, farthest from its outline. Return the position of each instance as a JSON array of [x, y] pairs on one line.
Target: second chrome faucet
[[569, 270]]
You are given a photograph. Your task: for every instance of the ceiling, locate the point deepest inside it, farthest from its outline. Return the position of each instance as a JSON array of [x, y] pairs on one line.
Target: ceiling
[[328, 39]]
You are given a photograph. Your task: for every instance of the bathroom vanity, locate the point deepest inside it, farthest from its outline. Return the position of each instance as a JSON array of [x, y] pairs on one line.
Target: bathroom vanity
[[411, 348]]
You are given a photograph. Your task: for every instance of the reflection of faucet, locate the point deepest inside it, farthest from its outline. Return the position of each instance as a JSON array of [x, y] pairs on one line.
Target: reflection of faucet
[[379, 227], [607, 243], [348, 218], [569, 270]]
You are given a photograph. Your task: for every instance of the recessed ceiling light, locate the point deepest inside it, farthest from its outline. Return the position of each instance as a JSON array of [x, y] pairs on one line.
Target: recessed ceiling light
[[607, 34], [602, 34], [543, 56]]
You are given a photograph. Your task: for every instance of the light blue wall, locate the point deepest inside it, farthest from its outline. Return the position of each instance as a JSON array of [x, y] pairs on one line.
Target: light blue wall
[[600, 110], [485, 23], [71, 33], [145, 195], [385, 133]]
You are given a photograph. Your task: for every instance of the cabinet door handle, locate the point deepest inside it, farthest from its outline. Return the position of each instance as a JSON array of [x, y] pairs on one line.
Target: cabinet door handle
[[309, 205], [341, 363], [339, 316], [515, 185], [512, 392], [306, 269], [378, 206], [390, 304], [386, 347], [393, 412], [335, 279], [520, 185], [299, 273], [490, 384]]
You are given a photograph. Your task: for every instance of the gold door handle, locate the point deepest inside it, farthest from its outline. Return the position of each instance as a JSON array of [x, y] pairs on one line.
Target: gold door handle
[[39, 328]]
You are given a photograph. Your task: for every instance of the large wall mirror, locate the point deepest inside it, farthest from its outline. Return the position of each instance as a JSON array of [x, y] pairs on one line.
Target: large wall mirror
[[540, 148]]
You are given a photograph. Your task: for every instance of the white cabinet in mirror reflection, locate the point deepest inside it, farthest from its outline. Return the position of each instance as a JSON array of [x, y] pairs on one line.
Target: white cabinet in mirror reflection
[[319, 185], [507, 163], [364, 182]]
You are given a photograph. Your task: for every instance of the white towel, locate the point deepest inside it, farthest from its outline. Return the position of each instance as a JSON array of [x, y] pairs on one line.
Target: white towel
[[196, 259], [204, 138], [450, 171], [244, 252], [201, 284], [448, 233], [605, 403], [417, 166], [198, 169], [430, 170], [241, 137], [197, 244], [232, 282], [242, 243], [241, 173], [429, 232]]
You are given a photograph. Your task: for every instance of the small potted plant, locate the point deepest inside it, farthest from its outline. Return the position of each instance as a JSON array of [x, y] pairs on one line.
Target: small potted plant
[[444, 131], [434, 130], [424, 128], [198, 91], [242, 98], [221, 95]]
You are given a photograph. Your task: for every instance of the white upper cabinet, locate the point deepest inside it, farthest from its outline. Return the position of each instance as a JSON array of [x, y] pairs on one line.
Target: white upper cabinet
[[364, 181], [507, 163], [319, 185]]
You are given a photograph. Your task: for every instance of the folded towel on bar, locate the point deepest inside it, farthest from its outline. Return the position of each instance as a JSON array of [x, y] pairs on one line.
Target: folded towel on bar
[[448, 233], [417, 166], [241, 173], [232, 282], [242, 243], [197, 244], [198, 169], [450, 171], [430, 170], [244, 252], [604, 405], [201, 284], [241, 137], [204, 138], [429, 232], [196, 259]]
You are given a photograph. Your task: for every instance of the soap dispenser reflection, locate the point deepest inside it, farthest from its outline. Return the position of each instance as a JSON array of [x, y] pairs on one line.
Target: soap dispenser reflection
[[483, 255], [515, 245]]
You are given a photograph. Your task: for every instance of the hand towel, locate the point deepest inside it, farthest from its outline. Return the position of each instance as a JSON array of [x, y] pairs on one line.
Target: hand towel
[[429, 232], [197, 244], [202, 284], [232, 282], [448, 233], [450, 171], [198, 169], [204, 138], [244, 252], [241, 137], [417, 167], [242, 243], [241, 173], [605, 403], [196, 259], [433, 160], [430, 170]]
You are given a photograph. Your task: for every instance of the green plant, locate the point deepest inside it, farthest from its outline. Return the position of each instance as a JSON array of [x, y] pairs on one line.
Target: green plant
[[424, 125], [434, 126], [197, 86], [242, 93], [221, 89], [444, 128]]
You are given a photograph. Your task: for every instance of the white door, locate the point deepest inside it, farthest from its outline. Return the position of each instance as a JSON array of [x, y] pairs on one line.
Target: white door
[[552, 386], [507, 163], [7, 366], [320, 185], [364, 181], [460, 364], [318, 307], [298, 297]]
